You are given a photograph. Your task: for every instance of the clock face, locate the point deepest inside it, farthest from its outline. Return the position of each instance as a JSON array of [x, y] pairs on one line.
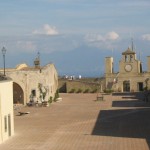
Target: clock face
[[128, 68]]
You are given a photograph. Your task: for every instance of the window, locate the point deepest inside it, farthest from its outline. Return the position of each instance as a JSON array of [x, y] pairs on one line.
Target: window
[[9, 124], [140, 86], [5, 123], [125, 58], [131, 58], [33, 92]]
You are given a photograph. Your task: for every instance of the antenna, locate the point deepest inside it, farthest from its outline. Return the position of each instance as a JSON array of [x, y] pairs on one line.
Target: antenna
[[38, 54], [112, 52], [135, 47], [132, 46], [140, 56]]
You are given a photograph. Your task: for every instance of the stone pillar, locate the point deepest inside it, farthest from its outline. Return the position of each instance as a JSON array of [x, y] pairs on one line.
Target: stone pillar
[[109, 65], [148, 63]]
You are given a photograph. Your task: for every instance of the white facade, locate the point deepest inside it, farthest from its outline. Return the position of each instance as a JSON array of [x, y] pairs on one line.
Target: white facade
[[6, 109]]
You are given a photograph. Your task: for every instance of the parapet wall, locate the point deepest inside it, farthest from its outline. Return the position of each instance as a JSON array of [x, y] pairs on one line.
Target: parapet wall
[[77, 86]]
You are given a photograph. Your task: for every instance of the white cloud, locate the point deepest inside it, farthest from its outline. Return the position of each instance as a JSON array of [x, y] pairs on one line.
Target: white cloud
[[110, 36], [94, 37], [146, 37], [26, 45], [46, 30], [107, 41]]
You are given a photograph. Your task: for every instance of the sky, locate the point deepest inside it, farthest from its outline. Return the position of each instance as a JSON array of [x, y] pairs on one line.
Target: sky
[[74, 35]]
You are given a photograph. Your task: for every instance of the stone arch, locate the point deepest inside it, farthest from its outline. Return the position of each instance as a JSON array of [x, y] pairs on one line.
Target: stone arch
[[18, 94]]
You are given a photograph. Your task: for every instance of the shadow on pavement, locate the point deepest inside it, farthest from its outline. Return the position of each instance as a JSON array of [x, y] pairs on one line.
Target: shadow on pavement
[[122, 94], [133, 95], [130, 123], [130, 103]]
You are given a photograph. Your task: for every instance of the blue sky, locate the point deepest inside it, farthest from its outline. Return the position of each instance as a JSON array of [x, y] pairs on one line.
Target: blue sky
[[76, 35]]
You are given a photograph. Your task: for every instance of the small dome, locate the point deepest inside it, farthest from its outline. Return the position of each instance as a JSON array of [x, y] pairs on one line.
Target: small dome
[[21, 66], [128, 51]]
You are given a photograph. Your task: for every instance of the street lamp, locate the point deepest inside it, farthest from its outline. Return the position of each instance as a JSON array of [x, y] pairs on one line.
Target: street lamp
[[4, 52]]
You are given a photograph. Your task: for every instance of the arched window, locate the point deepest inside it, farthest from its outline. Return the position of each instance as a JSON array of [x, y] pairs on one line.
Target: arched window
[[131, 58], [126, 58]]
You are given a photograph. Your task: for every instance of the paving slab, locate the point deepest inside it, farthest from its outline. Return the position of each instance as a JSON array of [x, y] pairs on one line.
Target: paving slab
[[80, 122]]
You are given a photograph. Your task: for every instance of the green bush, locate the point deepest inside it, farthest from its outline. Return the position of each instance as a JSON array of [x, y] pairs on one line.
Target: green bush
[[50, 100], [96, 79], [108, 91], [79, 91], [94, 91], [86, 91], [145, 88], [56, 95], [72, 91]]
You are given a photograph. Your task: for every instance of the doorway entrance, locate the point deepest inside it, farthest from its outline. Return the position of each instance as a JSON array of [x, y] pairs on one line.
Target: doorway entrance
[[18, 95], [140, 86], [126, 86]]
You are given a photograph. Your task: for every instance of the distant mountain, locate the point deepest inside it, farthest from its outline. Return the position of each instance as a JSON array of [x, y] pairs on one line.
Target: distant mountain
[[85, 61]]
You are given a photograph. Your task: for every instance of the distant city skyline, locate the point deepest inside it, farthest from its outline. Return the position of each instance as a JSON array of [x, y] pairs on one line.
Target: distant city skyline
[[75, 35]]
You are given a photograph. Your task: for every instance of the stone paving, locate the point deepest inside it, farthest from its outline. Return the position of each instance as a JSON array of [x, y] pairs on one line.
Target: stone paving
[[79, 122]]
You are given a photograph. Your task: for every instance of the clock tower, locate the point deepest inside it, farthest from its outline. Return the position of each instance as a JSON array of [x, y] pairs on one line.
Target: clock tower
[[129, 64], [130, 76]]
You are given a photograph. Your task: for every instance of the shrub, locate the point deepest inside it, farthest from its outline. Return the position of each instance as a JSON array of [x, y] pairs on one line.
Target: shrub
[[72, 91], [43, 91], [56, 95], [145, 88], [86, 91], [79, 91], [96, 79], [50, 100], [108, 91], [94, 91]]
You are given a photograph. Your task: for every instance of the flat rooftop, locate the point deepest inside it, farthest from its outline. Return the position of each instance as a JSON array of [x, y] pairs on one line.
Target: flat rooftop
[[79, 122]]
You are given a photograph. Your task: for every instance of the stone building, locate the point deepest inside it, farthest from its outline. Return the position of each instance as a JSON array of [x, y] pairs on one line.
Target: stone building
[[6, 108], [26, 82], [130, 77]]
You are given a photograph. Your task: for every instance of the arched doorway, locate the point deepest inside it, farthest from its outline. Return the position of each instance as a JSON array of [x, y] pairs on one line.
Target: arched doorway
[[126, 86], [18, 95]]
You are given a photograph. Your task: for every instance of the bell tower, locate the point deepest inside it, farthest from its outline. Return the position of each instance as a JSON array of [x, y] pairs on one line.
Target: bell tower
[[129, 63], [37, 61]]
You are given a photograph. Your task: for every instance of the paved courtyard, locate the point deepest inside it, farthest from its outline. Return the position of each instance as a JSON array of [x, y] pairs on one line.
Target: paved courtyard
[[79, 122]]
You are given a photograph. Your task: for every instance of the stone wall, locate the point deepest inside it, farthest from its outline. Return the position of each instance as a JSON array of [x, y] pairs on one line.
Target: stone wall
[[28, 79], [78, 86]]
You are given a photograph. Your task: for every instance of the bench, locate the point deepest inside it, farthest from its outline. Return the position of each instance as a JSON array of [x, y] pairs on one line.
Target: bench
[[100, 98], [23, 113]]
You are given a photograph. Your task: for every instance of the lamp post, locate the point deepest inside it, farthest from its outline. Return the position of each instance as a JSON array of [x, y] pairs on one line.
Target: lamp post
[[4, 52]]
